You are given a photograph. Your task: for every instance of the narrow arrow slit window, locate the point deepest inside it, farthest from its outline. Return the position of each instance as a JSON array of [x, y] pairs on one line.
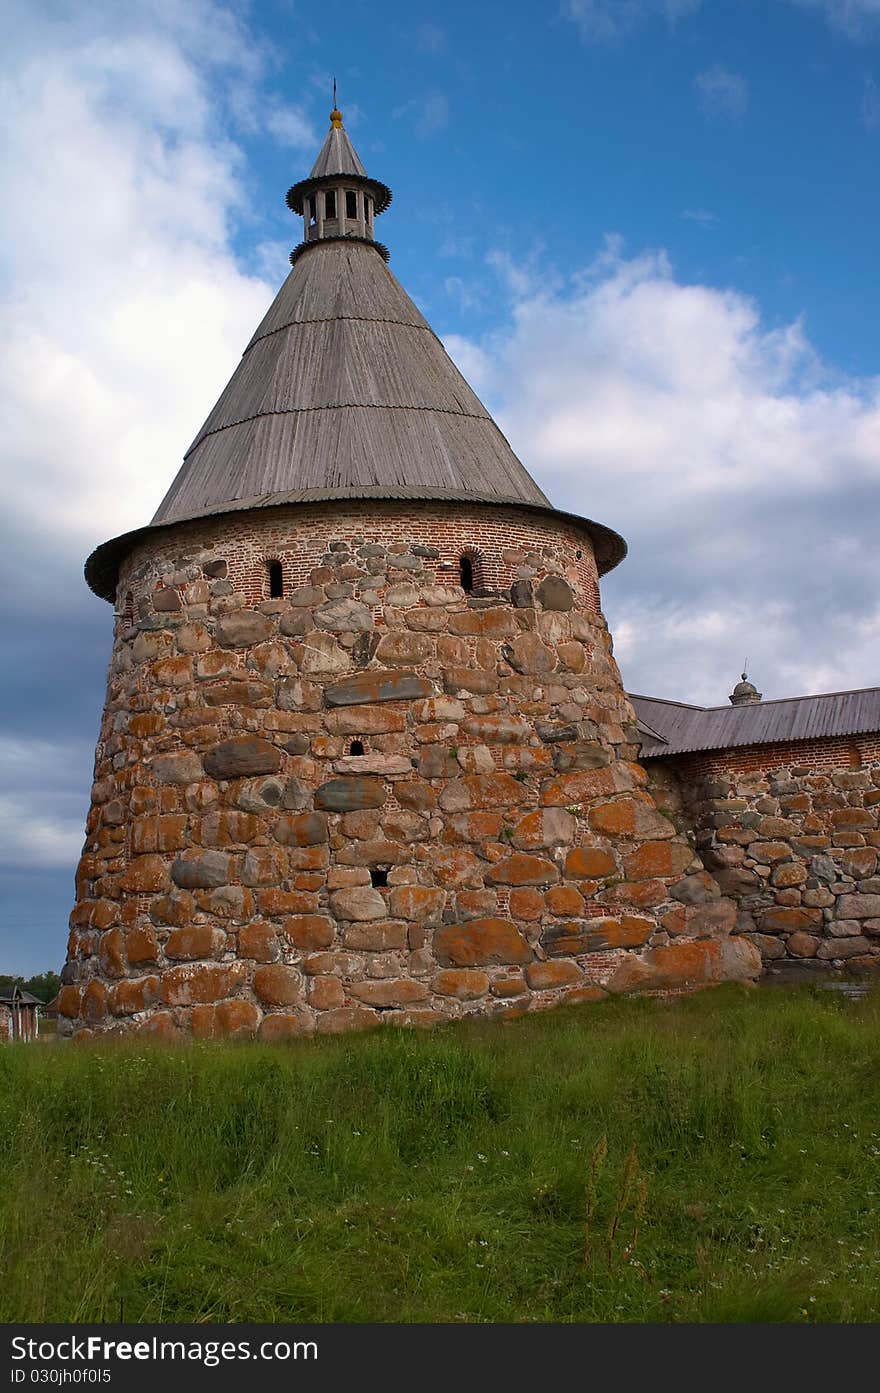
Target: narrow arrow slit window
[[276, 579]]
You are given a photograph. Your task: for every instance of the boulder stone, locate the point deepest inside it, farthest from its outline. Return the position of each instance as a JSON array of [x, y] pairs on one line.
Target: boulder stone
[[544, 828], [529, 654], [377, 686], [130, 996], [590, 863], [555, 593], [344, 616], [309, 932], [687, 964], [258, 941], [377, 936], [416, 902], [802, 945], [192, 983], [634, 816], [522, 595], [464, 983], [276, 984], [242, 628], [858, 907], [547, 976], [700, 888], [242, 758], [180, 767], [657, 859], [347, 1018], [350, 794], [360, 902], [401, 991], [581, 754], [225, 1020], [301, 829], [523, 869], [579, 936], [789, 919], [203, 870], [319, 652], [481, 943], [166, 600], [195, 941]]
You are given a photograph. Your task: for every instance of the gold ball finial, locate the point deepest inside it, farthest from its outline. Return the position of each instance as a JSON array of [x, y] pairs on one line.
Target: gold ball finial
[[336, 119]]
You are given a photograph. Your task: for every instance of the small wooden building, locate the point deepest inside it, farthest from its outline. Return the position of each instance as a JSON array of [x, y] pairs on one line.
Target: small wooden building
[[19, 1015]]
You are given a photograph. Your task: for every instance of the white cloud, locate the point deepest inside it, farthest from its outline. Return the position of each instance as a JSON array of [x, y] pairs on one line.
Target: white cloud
[[117, 286], [856, 18], [431, 39], [742, 471], [43, 805], [290, 126], [703, 216], [723, 93], [870, 104], [602, 20], [432, 114], [429, 113], [124, 312]]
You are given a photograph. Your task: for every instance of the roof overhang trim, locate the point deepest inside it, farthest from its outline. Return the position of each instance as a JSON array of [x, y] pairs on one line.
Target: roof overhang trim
[[343, 237], [381, 192]]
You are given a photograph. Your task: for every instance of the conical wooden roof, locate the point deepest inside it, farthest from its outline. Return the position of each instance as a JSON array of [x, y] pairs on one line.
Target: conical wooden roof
[[343, 392], [337, 155]]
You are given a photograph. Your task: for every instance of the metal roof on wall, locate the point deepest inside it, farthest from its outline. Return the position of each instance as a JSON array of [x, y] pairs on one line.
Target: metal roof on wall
[[686, 729]]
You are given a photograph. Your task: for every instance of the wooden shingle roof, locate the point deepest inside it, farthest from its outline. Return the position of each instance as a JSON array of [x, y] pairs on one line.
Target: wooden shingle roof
[[345, 387], [344, 391], [337, 155]]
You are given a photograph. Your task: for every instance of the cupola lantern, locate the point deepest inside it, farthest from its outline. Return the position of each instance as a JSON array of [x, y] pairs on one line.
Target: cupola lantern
[[339, 199]]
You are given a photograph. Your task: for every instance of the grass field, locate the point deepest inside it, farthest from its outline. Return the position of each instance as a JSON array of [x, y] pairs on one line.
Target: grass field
[[726, 1148]]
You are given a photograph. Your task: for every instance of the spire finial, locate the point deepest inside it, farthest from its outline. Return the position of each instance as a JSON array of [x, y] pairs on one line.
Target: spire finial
[[335, 114]]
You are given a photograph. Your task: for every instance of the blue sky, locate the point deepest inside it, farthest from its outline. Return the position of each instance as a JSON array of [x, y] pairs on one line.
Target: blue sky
[[645, 229]]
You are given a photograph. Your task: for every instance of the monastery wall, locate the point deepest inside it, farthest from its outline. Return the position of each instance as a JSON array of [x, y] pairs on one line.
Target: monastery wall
[[791, 833], [487, 846]]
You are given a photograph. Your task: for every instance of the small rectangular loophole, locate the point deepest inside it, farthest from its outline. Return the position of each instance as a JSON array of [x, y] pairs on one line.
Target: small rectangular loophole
[[378, 878]]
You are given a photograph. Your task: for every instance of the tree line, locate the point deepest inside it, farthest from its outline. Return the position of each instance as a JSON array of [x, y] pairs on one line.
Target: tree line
[[43, 985]]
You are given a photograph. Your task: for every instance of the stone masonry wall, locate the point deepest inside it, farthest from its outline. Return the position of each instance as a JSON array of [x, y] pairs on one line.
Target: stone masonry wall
[[792, 834], [489, 847]]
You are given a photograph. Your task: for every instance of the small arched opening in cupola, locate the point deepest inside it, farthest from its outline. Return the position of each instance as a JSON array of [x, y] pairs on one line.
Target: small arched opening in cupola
[[356, 747]]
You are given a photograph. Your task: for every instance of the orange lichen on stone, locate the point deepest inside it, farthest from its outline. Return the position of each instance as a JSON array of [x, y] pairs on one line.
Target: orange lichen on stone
[[481, 942]]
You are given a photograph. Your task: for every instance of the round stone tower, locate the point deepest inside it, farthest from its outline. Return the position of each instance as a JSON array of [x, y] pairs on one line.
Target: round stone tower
[[365, 753]]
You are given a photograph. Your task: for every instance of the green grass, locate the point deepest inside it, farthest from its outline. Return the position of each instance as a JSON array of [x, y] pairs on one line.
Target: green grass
[[447, 1176]]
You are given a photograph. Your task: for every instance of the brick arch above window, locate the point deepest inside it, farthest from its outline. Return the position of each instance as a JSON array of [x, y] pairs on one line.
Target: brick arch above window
[[471, 570]]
